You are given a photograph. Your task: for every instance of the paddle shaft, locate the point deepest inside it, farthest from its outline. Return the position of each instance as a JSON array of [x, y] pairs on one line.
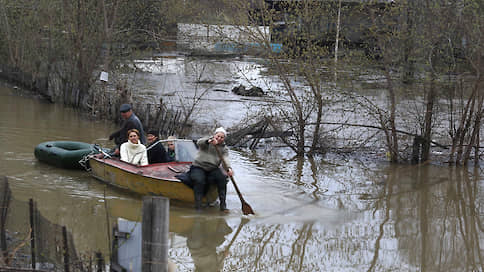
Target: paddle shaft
[[246, 208], [224, 164]]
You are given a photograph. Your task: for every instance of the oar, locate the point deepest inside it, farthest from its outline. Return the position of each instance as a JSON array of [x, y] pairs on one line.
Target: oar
[[227, 248], [246, 209]]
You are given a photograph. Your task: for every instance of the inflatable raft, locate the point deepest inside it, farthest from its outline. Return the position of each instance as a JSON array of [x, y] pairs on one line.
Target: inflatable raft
[[64, 154]]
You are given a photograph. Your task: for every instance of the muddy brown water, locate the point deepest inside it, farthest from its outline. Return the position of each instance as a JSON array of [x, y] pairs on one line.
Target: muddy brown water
[[327, 214]]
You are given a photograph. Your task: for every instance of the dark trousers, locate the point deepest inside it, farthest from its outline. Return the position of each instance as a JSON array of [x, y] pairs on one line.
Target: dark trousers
[[201, 179]]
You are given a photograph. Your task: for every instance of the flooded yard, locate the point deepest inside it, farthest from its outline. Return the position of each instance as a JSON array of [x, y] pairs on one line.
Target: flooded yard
[[328, 213]]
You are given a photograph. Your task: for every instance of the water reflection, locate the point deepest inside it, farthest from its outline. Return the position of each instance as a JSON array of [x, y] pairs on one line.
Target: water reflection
[[203, 239], [431, 224], [423, 218], [314, 177], [315, 214]]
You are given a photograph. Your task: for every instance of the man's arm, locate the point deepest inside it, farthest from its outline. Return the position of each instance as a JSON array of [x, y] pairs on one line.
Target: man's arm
[[115, 134], [203, 143], [125, 126], [120, 135]]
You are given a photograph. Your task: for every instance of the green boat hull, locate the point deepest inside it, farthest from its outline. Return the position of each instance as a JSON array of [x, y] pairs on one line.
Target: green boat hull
[[63, 154]]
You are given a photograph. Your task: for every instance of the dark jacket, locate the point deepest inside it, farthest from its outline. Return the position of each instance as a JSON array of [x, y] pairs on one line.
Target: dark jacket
[[121, 136], [170, 155], [156, 153]]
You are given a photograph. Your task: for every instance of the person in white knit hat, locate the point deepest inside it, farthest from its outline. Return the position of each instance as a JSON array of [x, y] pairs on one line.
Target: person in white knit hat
[[206, 167]]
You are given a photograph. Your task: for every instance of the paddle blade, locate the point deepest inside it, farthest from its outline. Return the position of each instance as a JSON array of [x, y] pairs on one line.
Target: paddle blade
[[246, 209]]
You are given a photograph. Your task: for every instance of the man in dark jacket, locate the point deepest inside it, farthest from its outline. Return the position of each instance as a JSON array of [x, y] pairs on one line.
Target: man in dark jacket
[[130, 121], [156, 151]]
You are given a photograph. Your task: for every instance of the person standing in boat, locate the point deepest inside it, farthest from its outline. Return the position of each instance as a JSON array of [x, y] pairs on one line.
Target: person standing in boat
[[155, 149], [206, 167], [130, 121], [133, 151]]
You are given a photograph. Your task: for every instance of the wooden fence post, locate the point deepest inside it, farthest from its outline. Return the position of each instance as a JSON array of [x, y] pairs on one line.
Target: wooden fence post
[[147, 116], [99, 262], [66, 249], [416, 148], [154, 247], [6, 196], [32, 231]]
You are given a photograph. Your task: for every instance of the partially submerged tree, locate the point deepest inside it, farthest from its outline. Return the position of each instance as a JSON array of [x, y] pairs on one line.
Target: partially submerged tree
[[466, 105], [410, 42], [304, 58]]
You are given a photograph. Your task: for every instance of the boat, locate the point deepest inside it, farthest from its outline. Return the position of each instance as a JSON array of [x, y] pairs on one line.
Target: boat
[[153, 179], [63, 154]]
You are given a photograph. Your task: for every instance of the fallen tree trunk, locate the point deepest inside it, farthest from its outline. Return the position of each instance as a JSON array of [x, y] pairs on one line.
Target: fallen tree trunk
[[254, 133]]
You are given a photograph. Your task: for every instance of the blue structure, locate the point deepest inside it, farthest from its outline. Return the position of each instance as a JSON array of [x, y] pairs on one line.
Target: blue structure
[[243, 48]]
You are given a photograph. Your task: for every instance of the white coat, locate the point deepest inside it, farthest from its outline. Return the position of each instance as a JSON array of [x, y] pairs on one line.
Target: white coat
[[134, 153]]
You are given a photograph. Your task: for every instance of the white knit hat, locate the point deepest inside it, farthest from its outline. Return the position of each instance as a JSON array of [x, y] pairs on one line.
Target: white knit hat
[[221, 129]]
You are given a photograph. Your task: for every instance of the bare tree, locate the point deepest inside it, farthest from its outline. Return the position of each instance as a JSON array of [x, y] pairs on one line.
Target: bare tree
[[190, 107], [302, 60], [464, 56]]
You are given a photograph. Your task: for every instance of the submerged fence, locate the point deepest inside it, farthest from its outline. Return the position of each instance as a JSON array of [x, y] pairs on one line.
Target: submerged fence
[[154, 116], [30, 242], [162, 119]]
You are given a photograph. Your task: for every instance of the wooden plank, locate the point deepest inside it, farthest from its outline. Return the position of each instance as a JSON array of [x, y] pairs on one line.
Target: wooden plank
[[5, 198], [155, 243], [32, 231]]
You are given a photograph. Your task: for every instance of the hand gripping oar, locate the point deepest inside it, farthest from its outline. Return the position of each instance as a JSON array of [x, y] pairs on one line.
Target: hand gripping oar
[[246, 209]]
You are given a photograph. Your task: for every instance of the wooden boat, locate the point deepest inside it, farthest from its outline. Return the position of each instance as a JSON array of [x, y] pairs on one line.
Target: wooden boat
[[154, 179]]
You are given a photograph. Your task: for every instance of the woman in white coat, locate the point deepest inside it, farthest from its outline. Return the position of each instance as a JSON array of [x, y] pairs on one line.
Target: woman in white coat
[[133, 151]]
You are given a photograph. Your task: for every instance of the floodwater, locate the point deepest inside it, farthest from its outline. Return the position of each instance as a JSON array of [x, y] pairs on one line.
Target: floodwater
[[180, 81], [323, 214]]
